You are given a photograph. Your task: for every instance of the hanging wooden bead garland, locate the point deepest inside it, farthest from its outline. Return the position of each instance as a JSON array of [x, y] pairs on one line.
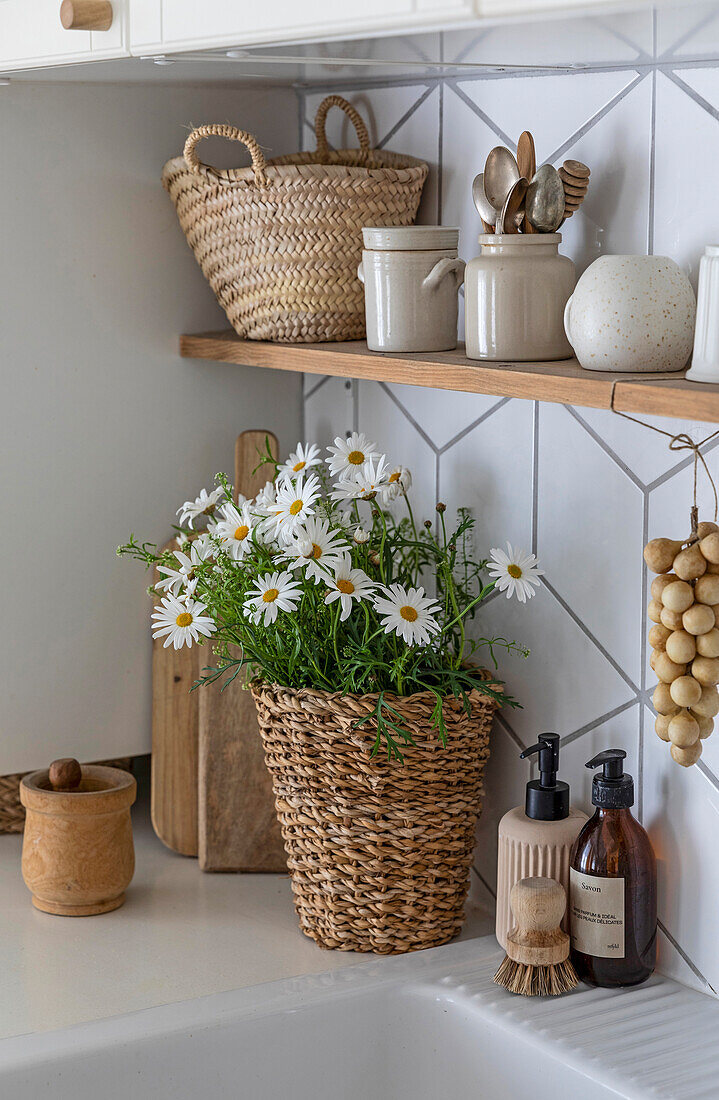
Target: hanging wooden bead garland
[[684, 611]]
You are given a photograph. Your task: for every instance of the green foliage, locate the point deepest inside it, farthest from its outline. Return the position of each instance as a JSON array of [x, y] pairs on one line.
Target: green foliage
[[310, 647]]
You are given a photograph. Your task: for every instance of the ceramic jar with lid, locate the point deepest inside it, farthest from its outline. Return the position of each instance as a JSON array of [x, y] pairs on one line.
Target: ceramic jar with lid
[[515, 293], [411, 276], [632, 313]]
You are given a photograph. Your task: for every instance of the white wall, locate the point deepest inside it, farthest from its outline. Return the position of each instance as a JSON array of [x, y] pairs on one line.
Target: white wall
[[104, 430], [584, 489]]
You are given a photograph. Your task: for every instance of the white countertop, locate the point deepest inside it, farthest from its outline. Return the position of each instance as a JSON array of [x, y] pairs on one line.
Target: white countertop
[[180, 934]]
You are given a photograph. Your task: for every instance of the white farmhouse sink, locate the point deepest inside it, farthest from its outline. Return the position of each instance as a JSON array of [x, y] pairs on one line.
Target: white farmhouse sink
[[430, 1026]]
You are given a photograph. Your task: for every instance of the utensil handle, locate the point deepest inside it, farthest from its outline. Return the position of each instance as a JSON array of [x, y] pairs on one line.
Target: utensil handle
[[441, 269], [232, 134], [354, 116]]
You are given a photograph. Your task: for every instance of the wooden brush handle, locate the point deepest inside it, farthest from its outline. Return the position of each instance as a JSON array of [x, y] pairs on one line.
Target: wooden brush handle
[[538, 906]]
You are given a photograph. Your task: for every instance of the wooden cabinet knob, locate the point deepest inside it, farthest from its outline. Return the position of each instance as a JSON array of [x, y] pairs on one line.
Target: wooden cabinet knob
[[86, 15]]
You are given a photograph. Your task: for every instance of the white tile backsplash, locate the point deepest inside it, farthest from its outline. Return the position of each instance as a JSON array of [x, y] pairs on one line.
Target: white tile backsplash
[[584, 488]]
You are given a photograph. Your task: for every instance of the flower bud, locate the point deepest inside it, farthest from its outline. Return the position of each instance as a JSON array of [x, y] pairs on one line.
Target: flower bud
[[440, 507], [360, 536]]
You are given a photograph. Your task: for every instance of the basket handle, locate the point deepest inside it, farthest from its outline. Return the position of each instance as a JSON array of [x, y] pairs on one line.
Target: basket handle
[[233, 134], [354, 116]]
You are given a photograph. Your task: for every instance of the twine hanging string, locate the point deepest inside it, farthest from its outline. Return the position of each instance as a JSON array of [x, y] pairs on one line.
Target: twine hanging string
[[679, 442]]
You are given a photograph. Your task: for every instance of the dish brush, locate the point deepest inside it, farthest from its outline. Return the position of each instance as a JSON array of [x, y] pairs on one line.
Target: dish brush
[[537, 960]]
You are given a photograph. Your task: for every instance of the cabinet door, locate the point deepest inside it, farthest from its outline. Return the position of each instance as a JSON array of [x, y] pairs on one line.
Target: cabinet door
[[31, 35], [185, 23]]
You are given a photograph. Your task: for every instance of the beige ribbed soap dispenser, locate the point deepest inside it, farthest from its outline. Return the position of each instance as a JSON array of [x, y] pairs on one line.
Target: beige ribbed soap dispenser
[[535, 839]]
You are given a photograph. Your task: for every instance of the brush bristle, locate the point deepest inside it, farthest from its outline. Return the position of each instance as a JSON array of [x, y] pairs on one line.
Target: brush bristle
[[536, 981]]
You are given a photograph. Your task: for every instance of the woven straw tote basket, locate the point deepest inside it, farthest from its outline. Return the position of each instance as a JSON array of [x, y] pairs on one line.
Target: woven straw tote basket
[[379, 853], [280, 242]]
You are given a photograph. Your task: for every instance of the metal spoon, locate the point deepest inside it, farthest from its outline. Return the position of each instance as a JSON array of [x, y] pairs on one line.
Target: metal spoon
[[544, 204], [512, 214], [484, 207], [500, 175]]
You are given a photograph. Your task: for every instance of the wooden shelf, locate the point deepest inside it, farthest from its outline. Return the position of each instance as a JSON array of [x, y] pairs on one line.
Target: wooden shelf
[[564, 382]]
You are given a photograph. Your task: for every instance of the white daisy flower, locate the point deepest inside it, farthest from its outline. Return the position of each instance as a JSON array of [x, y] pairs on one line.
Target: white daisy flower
[[300, 461], [350, 454], [515, 572], [235, 529], [348, 584], [370, 479], [266, 497], [399, 481], [407, 612], [272, 593], [181, 622], [184, 578], [204, 505], [293, 506], [360, 536], [314, 546]]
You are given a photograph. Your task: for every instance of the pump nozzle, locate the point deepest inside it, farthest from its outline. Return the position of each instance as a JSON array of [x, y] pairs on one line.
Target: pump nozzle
[[613, 789], [547, 798]]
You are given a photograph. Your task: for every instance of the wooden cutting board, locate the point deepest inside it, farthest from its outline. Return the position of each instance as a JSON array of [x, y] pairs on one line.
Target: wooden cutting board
[[175, 728], [238, 829]]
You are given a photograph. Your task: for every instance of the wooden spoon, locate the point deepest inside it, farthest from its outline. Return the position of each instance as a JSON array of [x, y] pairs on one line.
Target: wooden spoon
[[527, 164]]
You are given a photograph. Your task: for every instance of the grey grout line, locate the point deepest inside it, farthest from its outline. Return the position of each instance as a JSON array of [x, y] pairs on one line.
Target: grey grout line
[[436, 476], [317, 386], [405, 117], [688, 90], [606, 448], [599, 721], [708, 774], [595, 641], [677, 469], [408, 415], [461, 94], [475, 424], [643, 622], [440, 139], [680, 951], [652, 164], [535, 480], [502, 721], [355, 405], [642, 56], [592, 122], [484, 882], [670, 54]]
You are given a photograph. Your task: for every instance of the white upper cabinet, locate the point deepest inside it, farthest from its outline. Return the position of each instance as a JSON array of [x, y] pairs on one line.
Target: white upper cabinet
[[158, 25], [32, 35]]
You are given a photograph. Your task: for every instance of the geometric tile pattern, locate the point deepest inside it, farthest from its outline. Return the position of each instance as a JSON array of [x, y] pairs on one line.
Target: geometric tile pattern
[[631, 111]]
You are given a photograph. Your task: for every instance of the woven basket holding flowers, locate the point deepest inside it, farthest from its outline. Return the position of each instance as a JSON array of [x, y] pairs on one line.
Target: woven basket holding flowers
[[354, 622]]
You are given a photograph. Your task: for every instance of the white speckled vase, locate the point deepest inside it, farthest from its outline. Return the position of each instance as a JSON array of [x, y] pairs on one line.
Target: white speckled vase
[[705, 360], [632, 313]]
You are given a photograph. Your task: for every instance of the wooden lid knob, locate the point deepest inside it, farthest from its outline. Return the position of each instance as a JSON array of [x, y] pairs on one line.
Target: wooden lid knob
[[65, 774]]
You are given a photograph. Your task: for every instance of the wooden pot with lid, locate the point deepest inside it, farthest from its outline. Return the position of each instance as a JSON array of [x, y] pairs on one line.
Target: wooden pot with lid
[[78, 857]]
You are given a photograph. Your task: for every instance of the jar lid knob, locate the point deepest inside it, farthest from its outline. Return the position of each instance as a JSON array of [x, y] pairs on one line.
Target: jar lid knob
[[65, 774]]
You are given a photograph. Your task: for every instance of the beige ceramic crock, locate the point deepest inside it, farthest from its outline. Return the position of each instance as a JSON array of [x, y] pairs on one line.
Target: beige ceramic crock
[[515, 293], [411, 276], [77, 856]]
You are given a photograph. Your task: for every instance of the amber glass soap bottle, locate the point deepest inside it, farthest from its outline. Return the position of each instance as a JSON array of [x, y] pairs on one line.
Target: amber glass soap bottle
[[613, 884]]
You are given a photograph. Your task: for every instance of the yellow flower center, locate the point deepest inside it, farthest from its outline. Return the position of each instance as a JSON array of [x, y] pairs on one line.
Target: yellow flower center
[[270, 595], [514, 571], [184, 619], [242, 532], [316, 550], [299, 466], [355, 458], [394, 477], [408, 613], [346, 586], [295, 507]]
